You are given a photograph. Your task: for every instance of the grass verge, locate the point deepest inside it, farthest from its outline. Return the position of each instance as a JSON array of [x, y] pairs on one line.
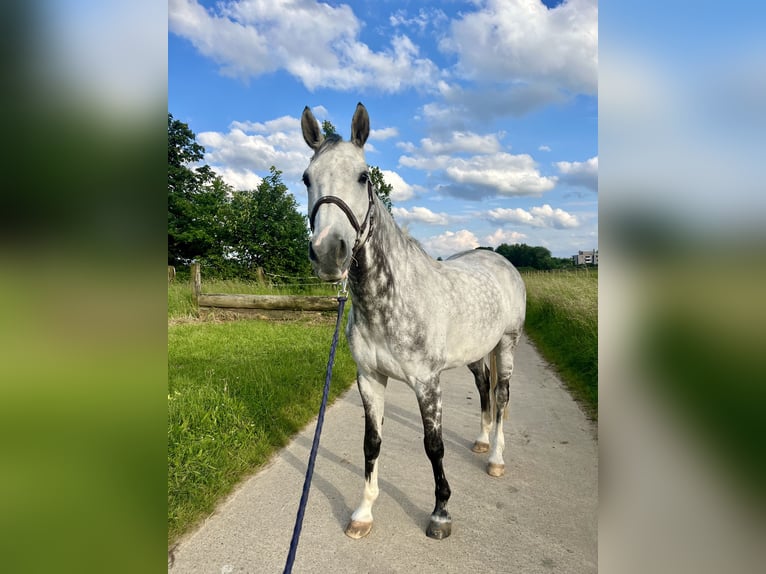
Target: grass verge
[[562, 320], [237, 391]]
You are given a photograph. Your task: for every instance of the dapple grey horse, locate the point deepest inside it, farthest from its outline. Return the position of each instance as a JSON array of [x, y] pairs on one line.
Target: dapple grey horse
[[412, 317]]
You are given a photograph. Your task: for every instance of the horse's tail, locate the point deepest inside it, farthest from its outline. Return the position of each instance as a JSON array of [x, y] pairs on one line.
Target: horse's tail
[[493, 385]]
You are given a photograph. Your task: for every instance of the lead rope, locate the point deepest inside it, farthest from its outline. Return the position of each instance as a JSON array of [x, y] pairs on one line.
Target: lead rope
[[342, 298]]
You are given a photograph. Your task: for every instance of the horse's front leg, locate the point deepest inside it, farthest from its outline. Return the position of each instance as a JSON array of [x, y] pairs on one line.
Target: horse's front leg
[[372, 388], [430, 402]]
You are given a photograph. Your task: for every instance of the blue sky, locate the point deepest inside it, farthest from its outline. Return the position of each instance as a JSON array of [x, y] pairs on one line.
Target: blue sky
[[484, 115]]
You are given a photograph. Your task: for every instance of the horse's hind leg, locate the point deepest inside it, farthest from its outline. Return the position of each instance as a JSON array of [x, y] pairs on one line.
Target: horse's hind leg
[[504, 354], [481, 377], [372, 388], [430, 402]]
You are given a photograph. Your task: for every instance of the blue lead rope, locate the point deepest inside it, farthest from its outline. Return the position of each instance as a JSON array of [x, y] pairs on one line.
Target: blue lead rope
[[315, 445]]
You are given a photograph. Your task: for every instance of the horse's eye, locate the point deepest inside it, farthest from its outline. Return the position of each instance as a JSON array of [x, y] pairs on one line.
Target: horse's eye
[[364, 177], [306, 181]]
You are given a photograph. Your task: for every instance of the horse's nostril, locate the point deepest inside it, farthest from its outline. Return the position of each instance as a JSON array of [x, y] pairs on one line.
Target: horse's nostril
[[342, 250], [312, 253]]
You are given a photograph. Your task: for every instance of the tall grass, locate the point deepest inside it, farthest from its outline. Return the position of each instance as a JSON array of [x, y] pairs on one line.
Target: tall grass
[[562, 320]]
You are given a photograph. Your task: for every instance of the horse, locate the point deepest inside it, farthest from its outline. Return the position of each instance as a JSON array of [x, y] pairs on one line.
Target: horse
[[411, 316]]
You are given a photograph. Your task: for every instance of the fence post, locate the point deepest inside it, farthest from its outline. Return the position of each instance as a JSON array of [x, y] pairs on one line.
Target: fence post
[[196, 281]]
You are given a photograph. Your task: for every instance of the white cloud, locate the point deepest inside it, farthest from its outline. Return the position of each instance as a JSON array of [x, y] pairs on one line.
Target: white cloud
[[250, 147], [502, 172], [402, 191], [462, 142], [238, 179], [315, 42], [542, 216], [544, 148], [424, 17], [420, 214], [504, 236], [583, 173], [524, 41], [384, 133], [450, 242], [489, 171]]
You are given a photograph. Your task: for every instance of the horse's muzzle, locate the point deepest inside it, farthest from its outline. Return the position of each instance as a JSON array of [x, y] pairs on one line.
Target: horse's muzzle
[[330, 257]]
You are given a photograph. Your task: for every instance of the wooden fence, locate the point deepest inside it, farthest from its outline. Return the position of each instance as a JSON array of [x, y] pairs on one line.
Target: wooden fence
[[256, 304]]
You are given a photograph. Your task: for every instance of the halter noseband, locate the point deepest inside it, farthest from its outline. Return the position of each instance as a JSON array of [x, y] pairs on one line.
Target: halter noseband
[[360, 229]]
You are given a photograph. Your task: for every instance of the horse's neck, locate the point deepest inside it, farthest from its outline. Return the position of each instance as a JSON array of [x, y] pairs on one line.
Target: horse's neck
[[387, 262]]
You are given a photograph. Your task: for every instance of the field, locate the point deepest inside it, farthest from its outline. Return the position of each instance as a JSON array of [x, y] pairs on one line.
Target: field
[[238, 390], [562, 320]]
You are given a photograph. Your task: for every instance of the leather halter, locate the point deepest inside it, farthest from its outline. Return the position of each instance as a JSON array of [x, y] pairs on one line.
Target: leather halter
[[360, 229]]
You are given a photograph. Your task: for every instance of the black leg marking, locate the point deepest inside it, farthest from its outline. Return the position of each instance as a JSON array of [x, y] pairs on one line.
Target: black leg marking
[[429, 400], [481, 378], [502, 395], [372, 442]]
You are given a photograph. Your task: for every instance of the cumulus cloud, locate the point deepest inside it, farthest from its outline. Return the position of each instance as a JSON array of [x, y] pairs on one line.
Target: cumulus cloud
[[544, 148], [528, 43], [542, 216], [580, 173], [501, 236], [506, 174], [420, 21], [489, 171], [250, 147], [384, 133], [450, 242], [239, 179], [420, 214], [402, 191], [248, 39], [462, 142]]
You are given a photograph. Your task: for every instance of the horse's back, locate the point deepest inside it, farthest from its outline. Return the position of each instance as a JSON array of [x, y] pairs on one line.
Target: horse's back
[[494, 272]]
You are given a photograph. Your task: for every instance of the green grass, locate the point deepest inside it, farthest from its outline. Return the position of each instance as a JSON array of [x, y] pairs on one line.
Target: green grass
[[562, 320], [237, 391]]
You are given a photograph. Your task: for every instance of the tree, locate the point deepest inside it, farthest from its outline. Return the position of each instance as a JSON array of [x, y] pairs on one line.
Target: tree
[[328, 129], [264, 229], [382, 189], [196, 198], [523, 255]]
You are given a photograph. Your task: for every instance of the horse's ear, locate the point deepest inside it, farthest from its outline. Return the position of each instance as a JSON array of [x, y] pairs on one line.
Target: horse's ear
[[310, 127], [360, 125]]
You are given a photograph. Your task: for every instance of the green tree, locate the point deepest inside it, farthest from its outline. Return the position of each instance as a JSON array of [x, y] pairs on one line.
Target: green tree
[[523, 255], [328, 129], [264, 229], [196, 198]]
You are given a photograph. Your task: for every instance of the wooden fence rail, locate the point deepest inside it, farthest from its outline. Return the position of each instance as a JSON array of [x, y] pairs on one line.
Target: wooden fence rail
[[250, 305], [268, 302]]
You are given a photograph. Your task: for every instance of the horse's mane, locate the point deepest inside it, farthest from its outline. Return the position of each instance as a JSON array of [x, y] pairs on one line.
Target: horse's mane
[[405, 233], [328, 143]]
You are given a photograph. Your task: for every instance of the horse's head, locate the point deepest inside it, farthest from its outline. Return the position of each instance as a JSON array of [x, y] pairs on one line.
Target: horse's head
[[340, 195]]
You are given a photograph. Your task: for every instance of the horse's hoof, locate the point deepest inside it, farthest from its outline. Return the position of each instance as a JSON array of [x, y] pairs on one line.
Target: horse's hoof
[[495, 469], [480, 447], [439, 529], [357, 530]]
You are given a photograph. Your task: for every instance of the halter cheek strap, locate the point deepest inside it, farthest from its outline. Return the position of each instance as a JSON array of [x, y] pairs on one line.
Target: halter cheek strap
[[360, 229]]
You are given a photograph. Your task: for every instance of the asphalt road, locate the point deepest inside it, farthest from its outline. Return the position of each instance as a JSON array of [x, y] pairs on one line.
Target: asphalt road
[[540, 517]]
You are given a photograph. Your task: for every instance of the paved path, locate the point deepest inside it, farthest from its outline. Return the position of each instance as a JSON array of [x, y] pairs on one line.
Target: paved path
[[540, 517]]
